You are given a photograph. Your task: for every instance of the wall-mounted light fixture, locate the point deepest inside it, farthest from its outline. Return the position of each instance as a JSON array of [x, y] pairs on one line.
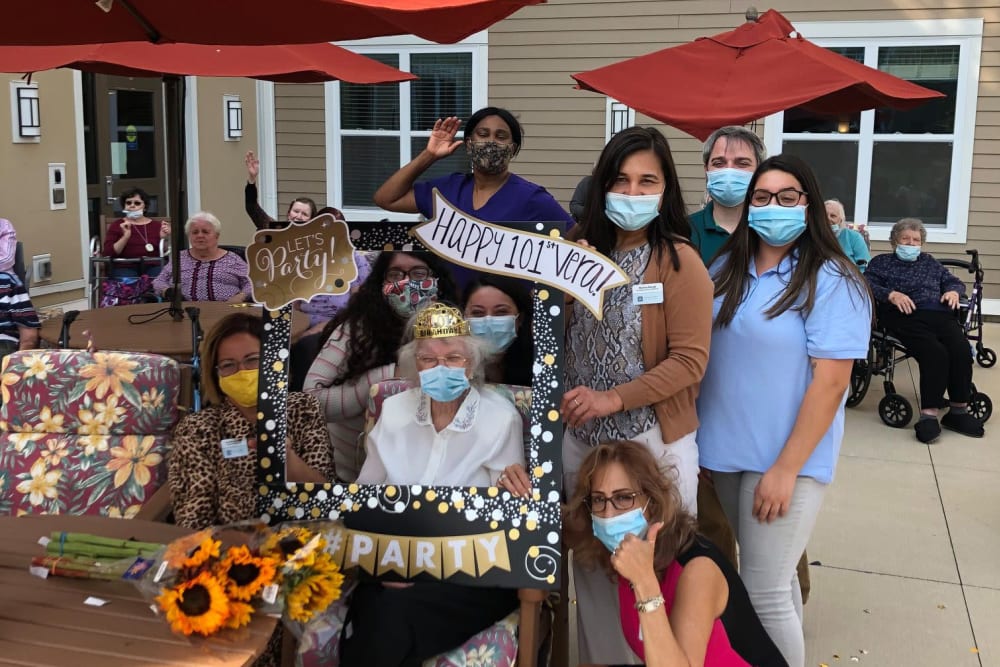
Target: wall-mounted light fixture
[[25, 114], [233, 111]]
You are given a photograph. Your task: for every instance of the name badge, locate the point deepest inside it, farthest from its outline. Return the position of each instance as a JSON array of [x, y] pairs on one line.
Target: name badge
[[647, 293], [233, 448]]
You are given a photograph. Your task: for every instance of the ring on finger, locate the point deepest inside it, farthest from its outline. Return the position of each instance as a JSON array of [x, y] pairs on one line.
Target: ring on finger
[[576, 402]]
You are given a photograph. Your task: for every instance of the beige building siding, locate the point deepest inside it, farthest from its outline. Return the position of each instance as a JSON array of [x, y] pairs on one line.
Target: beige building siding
[[533, 53], [300, 143], [24, 175], [220, 162]]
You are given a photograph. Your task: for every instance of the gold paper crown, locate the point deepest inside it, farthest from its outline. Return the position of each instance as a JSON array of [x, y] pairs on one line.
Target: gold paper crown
[[440, 321]]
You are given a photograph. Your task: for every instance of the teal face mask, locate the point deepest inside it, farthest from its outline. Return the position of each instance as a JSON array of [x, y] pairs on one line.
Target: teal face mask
[[631, 212], [908, 253], [444, 383], [728, 186], [500, 331], [777, 225], [613, 529]]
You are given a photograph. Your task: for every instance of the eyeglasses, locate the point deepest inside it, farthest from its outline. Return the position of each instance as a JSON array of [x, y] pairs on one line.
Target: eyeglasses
[[134, 202], [229, 367], [452, 360], [788, 197], [621, 501], [418, 273]]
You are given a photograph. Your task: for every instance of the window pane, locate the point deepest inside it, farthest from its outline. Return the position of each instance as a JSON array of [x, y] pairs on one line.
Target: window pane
[[133, 134], [801, 120], [835, 164], [910, 180], [367, 162], [934, 67], [371, 107], [457, 161], [443, 89]]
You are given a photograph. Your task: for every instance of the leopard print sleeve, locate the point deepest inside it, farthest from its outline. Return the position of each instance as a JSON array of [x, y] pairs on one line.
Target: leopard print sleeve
[[192, 469], [310, 437]]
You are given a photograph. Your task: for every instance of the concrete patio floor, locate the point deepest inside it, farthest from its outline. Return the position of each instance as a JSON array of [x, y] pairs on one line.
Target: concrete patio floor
[[908, 542]]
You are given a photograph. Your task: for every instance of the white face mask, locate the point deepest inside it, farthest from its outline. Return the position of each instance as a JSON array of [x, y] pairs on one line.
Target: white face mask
[[135, 215]]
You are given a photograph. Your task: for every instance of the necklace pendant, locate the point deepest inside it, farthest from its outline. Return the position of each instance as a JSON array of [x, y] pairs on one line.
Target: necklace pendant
[[149, 247]]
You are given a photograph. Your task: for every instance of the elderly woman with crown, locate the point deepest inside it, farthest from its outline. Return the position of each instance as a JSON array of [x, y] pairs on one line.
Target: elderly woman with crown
[[449, 431]]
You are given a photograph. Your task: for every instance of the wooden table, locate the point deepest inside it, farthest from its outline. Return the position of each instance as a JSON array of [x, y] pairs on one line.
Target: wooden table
[[44, 621], [111, 330]]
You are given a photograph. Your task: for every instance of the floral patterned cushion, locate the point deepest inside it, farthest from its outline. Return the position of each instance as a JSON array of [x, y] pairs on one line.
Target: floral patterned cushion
[[84, 433]]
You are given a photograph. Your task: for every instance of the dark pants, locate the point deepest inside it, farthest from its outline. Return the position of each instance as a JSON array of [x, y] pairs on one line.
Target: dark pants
[[936, 340], [304, 352], [402, 627]]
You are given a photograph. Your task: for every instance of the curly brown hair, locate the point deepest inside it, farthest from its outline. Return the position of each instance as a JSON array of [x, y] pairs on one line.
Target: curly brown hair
[[679, 527]]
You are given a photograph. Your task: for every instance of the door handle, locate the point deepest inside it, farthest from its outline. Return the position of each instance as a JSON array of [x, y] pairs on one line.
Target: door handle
[[109, 189]]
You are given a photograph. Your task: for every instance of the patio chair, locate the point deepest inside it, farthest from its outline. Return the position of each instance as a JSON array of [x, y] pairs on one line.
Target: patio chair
[[85, 433]]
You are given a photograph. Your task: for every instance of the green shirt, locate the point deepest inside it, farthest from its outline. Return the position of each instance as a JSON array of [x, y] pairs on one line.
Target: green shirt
[[707, 236]]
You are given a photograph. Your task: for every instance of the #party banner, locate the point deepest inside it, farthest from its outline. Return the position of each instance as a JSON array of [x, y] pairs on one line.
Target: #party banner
[[581, 272]]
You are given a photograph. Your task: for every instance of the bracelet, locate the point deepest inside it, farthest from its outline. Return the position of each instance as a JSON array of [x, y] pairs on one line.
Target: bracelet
[[652, 604]]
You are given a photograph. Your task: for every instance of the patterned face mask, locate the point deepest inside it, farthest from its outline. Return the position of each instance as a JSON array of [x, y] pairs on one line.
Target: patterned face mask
[[489, 157], [407, 296]]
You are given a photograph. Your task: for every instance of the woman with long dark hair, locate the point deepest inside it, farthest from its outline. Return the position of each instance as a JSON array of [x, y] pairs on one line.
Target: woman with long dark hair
[[499, 310], [792, 312], [361, 342]]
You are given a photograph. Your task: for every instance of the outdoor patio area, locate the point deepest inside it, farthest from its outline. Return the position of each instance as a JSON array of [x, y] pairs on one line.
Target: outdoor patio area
[[909, 544]]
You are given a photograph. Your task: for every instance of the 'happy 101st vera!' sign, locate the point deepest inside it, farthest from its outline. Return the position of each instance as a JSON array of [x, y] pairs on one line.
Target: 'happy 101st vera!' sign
[[581, 272], [301, 261]]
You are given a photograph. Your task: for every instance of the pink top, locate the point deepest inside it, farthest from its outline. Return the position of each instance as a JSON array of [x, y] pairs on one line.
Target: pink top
[[720, 652]]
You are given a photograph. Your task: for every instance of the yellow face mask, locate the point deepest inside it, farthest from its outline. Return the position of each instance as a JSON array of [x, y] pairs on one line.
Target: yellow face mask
[[241, 387]]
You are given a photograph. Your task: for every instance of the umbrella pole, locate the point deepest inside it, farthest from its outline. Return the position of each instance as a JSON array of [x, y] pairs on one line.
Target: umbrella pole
[[174, 86]]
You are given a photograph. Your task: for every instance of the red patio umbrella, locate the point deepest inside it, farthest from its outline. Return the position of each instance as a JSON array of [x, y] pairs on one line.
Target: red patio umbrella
[[247, 21], [739, 76], [300, 63]]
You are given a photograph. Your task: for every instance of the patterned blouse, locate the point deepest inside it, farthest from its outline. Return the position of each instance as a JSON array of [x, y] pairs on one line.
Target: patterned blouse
[[208, 489], [602, 354], [213, 280]]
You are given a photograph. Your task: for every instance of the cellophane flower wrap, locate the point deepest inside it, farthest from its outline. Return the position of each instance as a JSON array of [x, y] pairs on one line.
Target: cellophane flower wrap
[[216, 580]]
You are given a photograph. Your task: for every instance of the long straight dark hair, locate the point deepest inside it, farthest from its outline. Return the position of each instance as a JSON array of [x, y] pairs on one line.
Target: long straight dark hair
[[670, 227], [816, 247]]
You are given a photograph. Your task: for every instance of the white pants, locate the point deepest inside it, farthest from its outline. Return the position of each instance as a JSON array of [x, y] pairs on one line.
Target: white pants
[[599, 627]]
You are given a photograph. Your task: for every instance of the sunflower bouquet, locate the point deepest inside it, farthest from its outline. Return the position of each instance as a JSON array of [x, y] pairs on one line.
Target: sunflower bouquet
[[217, 579]]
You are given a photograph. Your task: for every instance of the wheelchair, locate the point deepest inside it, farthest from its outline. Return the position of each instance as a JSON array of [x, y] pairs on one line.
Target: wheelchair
[[886, 351]]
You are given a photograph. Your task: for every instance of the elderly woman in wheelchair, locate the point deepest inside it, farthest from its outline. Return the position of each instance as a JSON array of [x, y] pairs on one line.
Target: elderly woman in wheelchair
[[451, 431], [917, 298]]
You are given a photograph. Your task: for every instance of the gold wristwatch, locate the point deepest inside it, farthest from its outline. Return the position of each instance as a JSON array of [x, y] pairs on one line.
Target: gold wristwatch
[[652, 604]]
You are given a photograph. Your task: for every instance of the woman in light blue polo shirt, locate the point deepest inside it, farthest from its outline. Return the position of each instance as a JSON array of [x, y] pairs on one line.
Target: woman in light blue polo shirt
[[791, 313]]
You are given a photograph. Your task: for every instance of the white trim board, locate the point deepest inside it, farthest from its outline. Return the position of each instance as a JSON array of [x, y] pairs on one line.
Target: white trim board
[[267, 179], [81, 182], [55, 288], [192, 151]]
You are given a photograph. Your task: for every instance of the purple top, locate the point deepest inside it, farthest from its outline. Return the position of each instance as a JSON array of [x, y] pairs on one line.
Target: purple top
[[322, 308], [215, 280], [517, 200], [8, 246], [924, 280]]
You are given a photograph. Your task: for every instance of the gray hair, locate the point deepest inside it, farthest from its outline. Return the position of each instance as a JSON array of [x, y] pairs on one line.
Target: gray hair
[[203, 216], [739, 133], [907, 225], [833, 200], [476, 351]]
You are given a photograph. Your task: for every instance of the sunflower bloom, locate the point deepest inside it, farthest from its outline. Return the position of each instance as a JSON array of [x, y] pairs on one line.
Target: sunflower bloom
[[206, 550], [243, 574], [40, 484], [152, 399], [198, 606], [239, 614], [53, 452], [133, 458], [50, 423], [38, 367], [316, 591], [107, 373], [178, 551], [285, 542]]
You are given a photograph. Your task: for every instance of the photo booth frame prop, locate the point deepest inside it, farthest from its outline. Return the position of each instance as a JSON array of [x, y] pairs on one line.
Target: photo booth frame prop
[[463, 535]]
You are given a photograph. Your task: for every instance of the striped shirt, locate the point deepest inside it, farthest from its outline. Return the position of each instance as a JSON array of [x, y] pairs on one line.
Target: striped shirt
[[15, 309]]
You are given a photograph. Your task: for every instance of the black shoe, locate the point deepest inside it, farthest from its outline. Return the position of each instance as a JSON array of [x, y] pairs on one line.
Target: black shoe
[[963, 423], [927, 430]]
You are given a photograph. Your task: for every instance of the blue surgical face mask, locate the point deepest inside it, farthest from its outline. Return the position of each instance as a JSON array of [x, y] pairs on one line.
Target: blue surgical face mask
[[835, 228], [908, 253], [443, 383], [500, 331], [728, 186], [612, 530], [777, 225], [631, 212]]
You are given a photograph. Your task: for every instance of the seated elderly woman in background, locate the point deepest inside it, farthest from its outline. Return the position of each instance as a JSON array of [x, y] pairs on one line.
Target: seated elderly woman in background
[[208, 272], [917, 297], [212, 467], [851, 242], [449, 431], [681, 602]]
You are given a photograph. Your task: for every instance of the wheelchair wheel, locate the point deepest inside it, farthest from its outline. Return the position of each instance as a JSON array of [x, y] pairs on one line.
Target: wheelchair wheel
[[986, 357], [895, 410], [861, 378], [980, 406]]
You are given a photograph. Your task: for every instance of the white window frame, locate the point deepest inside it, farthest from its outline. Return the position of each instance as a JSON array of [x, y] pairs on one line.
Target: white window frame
[[405, 46], [609, 117], [965, 33]]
